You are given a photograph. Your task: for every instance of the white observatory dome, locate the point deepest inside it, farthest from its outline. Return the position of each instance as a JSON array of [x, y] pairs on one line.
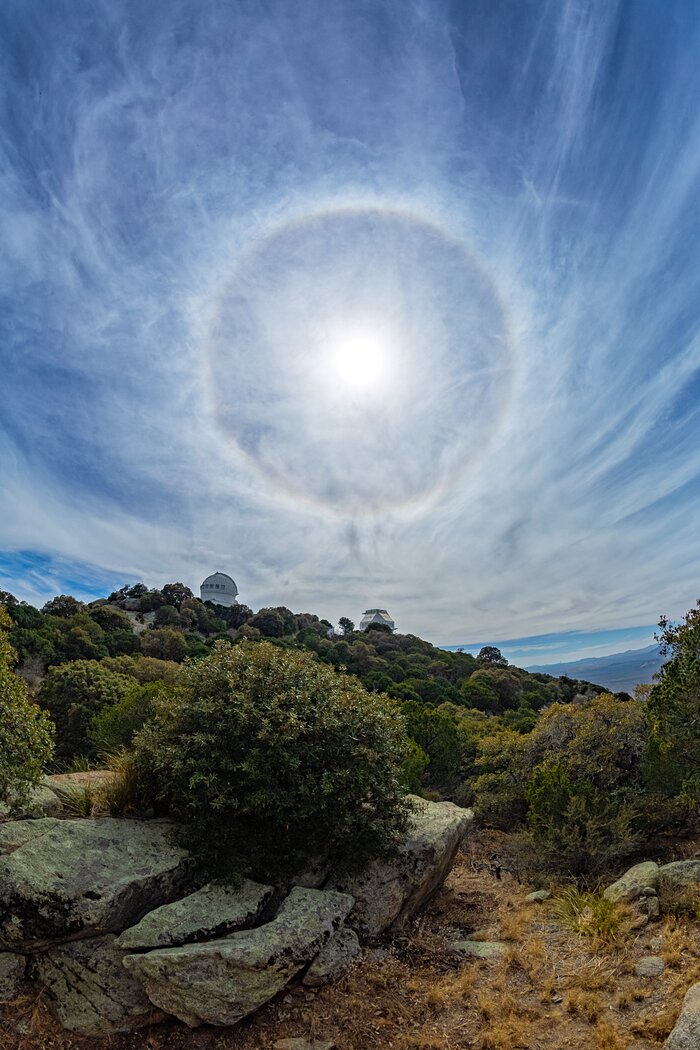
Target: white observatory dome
[[219, 588]]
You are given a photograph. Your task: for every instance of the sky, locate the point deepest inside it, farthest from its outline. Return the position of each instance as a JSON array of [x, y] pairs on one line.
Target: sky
[[365, 302]]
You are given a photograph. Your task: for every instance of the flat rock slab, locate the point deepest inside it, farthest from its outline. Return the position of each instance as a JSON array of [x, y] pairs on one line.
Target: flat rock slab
[[480, 949], [42, 802], [219, 982], [686, 1034], [650, 966], [92, 992], [12, 970], [333, 959], [65, 879], [634, 882], [389, 892], [210, 912], [538, 897]]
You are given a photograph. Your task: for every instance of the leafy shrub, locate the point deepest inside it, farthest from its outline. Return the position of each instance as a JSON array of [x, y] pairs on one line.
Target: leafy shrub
[[114, 726], [270, 758], [164, 643], [26, 733], [143, 668], [73, 694]]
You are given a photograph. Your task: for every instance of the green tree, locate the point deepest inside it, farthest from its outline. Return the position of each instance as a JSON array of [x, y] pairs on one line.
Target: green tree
[[493, 656], [346, 625], [143, 668], [73, 693], [269, 759], [113, 727], [165, 643], [26, 732], [63, 605], [176, 593]]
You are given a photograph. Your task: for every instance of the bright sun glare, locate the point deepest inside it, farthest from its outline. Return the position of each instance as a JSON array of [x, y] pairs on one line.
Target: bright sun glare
[[361, 360]]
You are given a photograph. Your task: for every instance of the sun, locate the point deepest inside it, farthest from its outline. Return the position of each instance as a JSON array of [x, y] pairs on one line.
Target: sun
[[361, 360]]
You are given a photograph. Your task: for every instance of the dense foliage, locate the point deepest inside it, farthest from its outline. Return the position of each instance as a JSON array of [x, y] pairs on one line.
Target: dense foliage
[[26, 733], [73, 694], [270, 759]]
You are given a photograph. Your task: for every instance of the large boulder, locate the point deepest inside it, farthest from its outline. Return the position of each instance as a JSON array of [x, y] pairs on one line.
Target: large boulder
[[686, 1034], [209, 912], [42, 802], [219, 982], [334, 958], [12, 969], [66, 879], [388, 892], [680, 873], [633, 883], [92, 992]]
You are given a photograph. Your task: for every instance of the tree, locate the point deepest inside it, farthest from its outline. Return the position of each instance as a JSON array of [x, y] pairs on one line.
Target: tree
[[63, 605], [176, 593], [274, 622], [143, 668], [164, 643], [491, 655], [73, 694], [26, 732], [268, 759], [673, 712], [346, 625]]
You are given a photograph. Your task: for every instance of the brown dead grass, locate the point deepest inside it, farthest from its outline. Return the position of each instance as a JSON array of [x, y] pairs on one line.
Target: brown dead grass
[[552, 990]]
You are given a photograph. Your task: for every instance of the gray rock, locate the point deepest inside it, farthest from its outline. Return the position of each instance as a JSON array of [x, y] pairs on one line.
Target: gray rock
[[681, 873], [480, 949], [633, 882], [12, 969], [686, 1034], [538, 896], [92, 992], [219, 982], [42, 802], [333, 959], [304, 1044], [650, 966], [388, 892], [65, 879], [212, 911]]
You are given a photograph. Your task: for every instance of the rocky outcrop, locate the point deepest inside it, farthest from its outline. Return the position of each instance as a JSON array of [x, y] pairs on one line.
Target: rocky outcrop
[[334, 958], [12, 969], [388, 892], [208, 913], [93, 994], [686, 1034], [633, 883], [42, 802], [219, 982], [66, 879], [680, 873]]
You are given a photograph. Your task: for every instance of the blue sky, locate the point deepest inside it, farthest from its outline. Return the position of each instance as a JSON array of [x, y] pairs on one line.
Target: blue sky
[[210, 212]]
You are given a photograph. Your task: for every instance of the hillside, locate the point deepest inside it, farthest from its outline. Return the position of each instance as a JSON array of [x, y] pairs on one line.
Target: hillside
[[619, 672]]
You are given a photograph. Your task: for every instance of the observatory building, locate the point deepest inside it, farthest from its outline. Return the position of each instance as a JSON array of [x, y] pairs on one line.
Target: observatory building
[[376, 616], [219, 588]]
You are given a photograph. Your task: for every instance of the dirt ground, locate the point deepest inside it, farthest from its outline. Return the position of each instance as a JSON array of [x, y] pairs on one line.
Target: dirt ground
[[554, 988]]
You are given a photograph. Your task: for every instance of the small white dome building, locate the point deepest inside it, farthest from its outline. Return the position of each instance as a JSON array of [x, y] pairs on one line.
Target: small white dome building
[[219, 588], [376, 616]]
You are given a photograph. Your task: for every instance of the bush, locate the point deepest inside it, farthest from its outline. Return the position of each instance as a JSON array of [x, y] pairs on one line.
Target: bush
[[26, 733], [73, 694], [114, 726], [270, 759]]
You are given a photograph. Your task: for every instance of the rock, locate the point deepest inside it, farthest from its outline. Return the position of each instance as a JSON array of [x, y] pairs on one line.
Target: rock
[[333, 959], [686, 1034], [212, 911], [92, 992], [12, 969], [650, 966], [538, 896], [480, 949], [42, 802], [219, 982], [65, 879], [681, 873], [633, 882], [652, 907], [388, 892], [304, 1044]]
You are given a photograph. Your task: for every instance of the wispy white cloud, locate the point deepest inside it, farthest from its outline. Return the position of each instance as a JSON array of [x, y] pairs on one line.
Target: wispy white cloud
[[525, 191]]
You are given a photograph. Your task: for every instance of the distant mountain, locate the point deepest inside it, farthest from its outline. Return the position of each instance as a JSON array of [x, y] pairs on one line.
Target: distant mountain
[[617, 672]]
